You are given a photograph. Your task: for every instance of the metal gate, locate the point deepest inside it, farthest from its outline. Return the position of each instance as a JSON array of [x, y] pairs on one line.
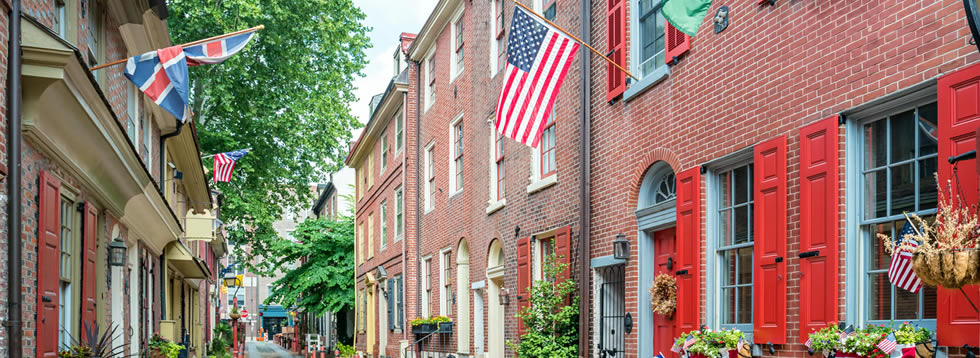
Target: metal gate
[[612, 312]]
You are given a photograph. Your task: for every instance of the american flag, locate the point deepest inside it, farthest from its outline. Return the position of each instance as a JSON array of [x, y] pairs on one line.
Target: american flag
[[849, 331], [808, 342], [888, 344], [661, 355], [162, 74], [538, 57], [689, 342], [900, 271], [224, 163], [676, 348]]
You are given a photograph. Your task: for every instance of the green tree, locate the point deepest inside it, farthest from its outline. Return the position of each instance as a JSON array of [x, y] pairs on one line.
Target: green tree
[[286, 96], [551, 318], [322, 281]]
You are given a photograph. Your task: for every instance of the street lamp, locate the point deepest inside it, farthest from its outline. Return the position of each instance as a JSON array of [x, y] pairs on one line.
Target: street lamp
[[117, 252], [232, 280]]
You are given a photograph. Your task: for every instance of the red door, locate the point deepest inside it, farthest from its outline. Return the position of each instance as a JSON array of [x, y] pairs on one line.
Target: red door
[[664, 261]]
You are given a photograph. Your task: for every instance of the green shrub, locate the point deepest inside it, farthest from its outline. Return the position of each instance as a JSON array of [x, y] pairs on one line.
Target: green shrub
[[551, 319]]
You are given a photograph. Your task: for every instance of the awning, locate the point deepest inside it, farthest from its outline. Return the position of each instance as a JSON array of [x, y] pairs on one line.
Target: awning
[[189, 266], [272, 311]]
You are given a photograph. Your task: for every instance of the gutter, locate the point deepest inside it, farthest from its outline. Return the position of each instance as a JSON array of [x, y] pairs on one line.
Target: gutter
[[15, 330], [418, 206], [585, 175], [163, 156]]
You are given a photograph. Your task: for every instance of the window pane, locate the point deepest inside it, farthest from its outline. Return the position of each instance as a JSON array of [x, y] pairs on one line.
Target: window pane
[[903, 189], [875, 194], [741, 188], [875, 144], [928, 198], [927, 129], [903, 136], [906, 304], [726, 227], [728, 295], [879, 259], [745, 265], [745, 304], [929, 302], [726, 189], [730, 268], [742, 224], [880, 297]]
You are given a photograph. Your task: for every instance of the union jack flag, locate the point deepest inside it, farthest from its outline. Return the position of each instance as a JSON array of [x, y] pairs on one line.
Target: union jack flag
[[900, 271], [224, 164], [162, 74], [538, 57]]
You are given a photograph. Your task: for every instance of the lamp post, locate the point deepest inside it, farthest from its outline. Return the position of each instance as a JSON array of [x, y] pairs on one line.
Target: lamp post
[[232, 280]]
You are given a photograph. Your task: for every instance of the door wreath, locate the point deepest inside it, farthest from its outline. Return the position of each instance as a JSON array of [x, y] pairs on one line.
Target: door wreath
[[663, 294]]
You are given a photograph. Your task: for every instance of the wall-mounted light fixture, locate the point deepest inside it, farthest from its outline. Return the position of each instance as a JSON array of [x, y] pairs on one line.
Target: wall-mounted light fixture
[[621, 247], [504, 297], [117, 252]]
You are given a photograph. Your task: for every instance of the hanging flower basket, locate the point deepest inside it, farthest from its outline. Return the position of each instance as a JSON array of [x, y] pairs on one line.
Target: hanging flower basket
[[944, 249], [663, 294]]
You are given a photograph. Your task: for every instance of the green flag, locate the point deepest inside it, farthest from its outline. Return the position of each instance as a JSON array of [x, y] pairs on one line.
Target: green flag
[[686, 15]]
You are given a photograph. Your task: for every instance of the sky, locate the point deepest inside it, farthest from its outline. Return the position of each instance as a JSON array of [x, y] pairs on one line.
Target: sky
[[388, 19]]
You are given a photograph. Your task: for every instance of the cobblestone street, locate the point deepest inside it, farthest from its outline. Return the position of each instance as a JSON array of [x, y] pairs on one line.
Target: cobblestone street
[[266, 350]]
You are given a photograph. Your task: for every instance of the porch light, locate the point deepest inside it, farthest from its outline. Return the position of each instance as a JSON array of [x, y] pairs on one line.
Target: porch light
[[621, 247], [117, 252], [504, 297], [231, 280]]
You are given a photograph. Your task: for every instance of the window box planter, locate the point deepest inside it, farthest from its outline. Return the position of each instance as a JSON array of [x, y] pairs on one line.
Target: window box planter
[[424, 328], [446, 327], [730, 353]]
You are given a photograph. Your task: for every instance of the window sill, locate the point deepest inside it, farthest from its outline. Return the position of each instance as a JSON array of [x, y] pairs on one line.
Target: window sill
[[453, 195], [496, 205], [428, 210], [646, 83], [541, 184]]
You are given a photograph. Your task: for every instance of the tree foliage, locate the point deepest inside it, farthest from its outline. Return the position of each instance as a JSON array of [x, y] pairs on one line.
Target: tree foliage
[[323, 280], [551, 318], [286, 96]]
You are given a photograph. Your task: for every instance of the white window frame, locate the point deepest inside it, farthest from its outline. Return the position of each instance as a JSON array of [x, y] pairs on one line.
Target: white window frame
[[383, 223], [494, 30], [455, 69], [494, 202], [426, 287], [452, 155], [399, 132], [133, 114], [147, 139], [399, 214], [430, 83], [539, 257], [537, 182], [857, 260], [60, 15], [384, 152], [444, 261], [658, 75], [429, 195], [370, 235]]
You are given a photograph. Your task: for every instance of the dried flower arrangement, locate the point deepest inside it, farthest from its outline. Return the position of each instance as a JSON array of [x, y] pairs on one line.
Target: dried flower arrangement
[[947, 253], [663, 294]]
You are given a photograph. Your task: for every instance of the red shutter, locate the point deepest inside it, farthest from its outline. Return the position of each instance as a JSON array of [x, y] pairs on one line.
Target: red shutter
[[91, 235], [688, 270], [616, 45], [677, 43], [48, 264], [770, 242], [819, 222], [523, 278], [563, 249], [959, 116]]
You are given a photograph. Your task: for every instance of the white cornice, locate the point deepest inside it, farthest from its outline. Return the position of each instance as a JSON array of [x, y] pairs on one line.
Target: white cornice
[[437, 21]]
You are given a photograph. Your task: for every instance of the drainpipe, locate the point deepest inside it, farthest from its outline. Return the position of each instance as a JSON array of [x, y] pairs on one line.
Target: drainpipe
[[163, 156], [14, 256], [418, 207], [585, 174]]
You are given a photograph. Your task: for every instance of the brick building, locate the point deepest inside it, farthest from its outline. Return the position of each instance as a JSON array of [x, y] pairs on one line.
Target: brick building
[[100, 165], [755, 165]]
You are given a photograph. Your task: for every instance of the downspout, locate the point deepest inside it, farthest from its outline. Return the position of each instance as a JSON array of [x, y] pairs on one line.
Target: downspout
[[418, 207], [585, 175], [163, 156], [14, 256]]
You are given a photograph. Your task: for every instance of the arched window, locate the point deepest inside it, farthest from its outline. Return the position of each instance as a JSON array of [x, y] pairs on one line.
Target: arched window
[[658, 186]]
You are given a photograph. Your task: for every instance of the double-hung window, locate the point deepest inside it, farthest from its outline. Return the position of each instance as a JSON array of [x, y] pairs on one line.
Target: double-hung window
[[65, 303], [457, 151], [398, 214], [547, 146], [399, 129], [549, 9], [734, 248], [458, 45], [430, 177], [384, 152], [397, 304], [59, 18], [501, 29], [370, 235], [427, 286], [384, 224], [132, 114], [444, 280], [498, 166], [147, 137], [651, 36], [899, 157], [430, 79]]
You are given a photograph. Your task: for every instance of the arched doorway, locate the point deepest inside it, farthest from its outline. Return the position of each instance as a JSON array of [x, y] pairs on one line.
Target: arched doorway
[[655, 218], [495, 315], [463, 297]]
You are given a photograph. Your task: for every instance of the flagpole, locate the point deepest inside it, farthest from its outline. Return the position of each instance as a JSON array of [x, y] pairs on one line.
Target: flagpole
[[211, 155], [576, 39], [239, 32]]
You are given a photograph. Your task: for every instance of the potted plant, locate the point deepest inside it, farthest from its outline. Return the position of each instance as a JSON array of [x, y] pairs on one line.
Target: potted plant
[[709, 344], [443, 324], [94, 344], [916, 339], [163, 348], [826, 341]]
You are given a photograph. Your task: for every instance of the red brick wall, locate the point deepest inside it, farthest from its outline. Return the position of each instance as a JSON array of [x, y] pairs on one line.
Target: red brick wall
[[775, 69]]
